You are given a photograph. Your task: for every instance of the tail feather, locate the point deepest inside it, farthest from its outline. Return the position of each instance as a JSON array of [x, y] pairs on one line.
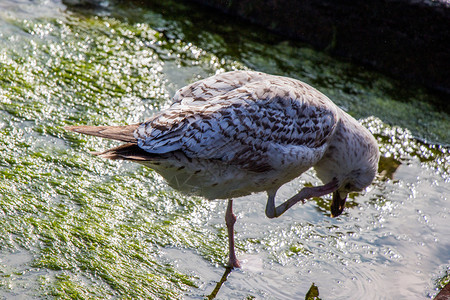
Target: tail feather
[[128, 151], [119, 133]]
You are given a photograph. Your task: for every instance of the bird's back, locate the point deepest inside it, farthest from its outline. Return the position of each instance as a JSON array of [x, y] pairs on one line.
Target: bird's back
[[236, 133], [248, 130]]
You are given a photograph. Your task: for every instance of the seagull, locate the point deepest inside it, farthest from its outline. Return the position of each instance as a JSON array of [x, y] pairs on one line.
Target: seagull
[[243, 132]]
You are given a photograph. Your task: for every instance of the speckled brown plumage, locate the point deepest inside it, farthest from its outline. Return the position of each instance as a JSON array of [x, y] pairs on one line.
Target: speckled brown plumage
[[241, 132]]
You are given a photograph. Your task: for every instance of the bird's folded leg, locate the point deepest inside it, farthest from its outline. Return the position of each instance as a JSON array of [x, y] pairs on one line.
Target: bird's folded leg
[[305, 193]]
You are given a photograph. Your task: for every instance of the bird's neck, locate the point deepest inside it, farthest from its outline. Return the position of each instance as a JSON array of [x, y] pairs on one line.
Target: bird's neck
[[349, 149]]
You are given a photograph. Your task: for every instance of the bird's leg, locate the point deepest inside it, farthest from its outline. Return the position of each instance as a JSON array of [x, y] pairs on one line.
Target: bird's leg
[[270, 206], [305, 193], [230, 219]]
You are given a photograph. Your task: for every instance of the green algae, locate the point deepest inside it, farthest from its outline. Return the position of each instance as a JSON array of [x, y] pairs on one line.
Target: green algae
[[313, 293], [79, 226]]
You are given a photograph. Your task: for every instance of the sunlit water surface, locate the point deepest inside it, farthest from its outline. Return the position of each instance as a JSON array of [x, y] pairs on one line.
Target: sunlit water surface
[[76, 226]]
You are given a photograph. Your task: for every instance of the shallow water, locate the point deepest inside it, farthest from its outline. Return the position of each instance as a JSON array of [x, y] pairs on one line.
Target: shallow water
[[76, 226]]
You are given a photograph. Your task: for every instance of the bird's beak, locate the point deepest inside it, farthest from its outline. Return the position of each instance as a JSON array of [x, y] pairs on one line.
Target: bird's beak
[[338, 203]]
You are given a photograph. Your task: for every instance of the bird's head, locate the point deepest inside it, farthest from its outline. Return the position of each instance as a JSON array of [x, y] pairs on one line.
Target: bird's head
[[355, 181], [351, 158]]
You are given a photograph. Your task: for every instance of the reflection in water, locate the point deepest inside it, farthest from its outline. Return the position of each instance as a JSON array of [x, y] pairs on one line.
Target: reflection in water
[[219, 283], [312, 294]]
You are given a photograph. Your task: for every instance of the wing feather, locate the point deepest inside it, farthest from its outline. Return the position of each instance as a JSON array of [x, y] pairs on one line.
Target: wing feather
[[119, 133], [255, 120], [199, 92]]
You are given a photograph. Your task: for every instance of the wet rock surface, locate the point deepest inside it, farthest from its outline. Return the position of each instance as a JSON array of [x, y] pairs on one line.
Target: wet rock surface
[[444, 294], [405, 38]]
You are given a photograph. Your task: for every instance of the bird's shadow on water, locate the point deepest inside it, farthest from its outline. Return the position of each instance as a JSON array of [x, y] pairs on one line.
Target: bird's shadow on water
[[312, 294]]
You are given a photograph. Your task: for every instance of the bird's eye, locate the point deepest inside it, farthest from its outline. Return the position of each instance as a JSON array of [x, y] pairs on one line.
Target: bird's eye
[[348, 186]]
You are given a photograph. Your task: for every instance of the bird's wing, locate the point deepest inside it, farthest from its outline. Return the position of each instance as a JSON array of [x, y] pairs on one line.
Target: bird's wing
[[260, 126], [199, 92]]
